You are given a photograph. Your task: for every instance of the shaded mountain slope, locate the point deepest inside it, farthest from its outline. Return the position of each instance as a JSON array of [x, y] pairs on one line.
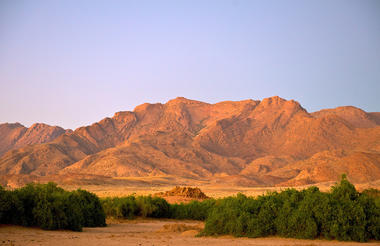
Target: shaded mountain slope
[[361, 167]]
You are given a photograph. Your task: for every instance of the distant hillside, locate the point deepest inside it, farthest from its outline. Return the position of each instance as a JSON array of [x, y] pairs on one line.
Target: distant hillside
[[13, 136], [269, 142]]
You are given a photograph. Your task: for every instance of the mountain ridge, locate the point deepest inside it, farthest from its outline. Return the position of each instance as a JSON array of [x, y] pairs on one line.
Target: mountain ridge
[[269, 142], [15, 135]]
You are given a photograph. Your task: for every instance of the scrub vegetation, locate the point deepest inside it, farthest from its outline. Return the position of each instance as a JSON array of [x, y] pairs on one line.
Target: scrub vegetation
[[341, 214], [155, 207], [50, 207]]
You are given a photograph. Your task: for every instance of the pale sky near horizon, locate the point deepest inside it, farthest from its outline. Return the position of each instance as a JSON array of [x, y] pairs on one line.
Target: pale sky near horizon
[[72, 63]]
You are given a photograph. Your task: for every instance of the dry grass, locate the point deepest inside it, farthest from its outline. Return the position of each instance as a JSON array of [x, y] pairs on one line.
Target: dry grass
[[181, 227], [124, 186]]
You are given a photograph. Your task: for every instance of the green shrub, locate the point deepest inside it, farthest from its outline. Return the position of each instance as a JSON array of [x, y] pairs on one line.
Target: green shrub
[[349, 221], [371, 192], [342, 214], [372, 211], [10, 207], [155, 207], [58, 210], [28, 199], [129, 207], [125, 207], [222, 217], [50, 207], [194, 210], [241, 216], [91, 209]]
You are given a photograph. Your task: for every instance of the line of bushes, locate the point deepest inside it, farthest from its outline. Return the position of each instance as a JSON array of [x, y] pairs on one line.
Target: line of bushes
[[342, 214], [155, 207], [130, 206], [50, 207]]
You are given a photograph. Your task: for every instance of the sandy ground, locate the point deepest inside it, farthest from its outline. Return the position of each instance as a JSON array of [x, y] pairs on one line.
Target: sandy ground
[[142, 232]]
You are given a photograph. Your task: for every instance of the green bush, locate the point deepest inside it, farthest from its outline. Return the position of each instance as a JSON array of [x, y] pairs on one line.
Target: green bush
[[371, 192], [90, 208], [10, 206], [155, 207], [129, 207], [194, 210], [124, 207], [50, 207], [58, 210], [342, 214]]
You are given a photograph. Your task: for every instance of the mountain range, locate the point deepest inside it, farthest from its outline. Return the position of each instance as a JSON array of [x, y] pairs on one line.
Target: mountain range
[[273, 142]]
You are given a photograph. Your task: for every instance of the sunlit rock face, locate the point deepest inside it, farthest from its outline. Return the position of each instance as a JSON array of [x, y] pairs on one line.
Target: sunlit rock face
[[269, 142]]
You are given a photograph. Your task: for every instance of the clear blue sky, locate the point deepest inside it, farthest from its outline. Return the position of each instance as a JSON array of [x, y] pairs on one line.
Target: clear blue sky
[[71, 63]]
